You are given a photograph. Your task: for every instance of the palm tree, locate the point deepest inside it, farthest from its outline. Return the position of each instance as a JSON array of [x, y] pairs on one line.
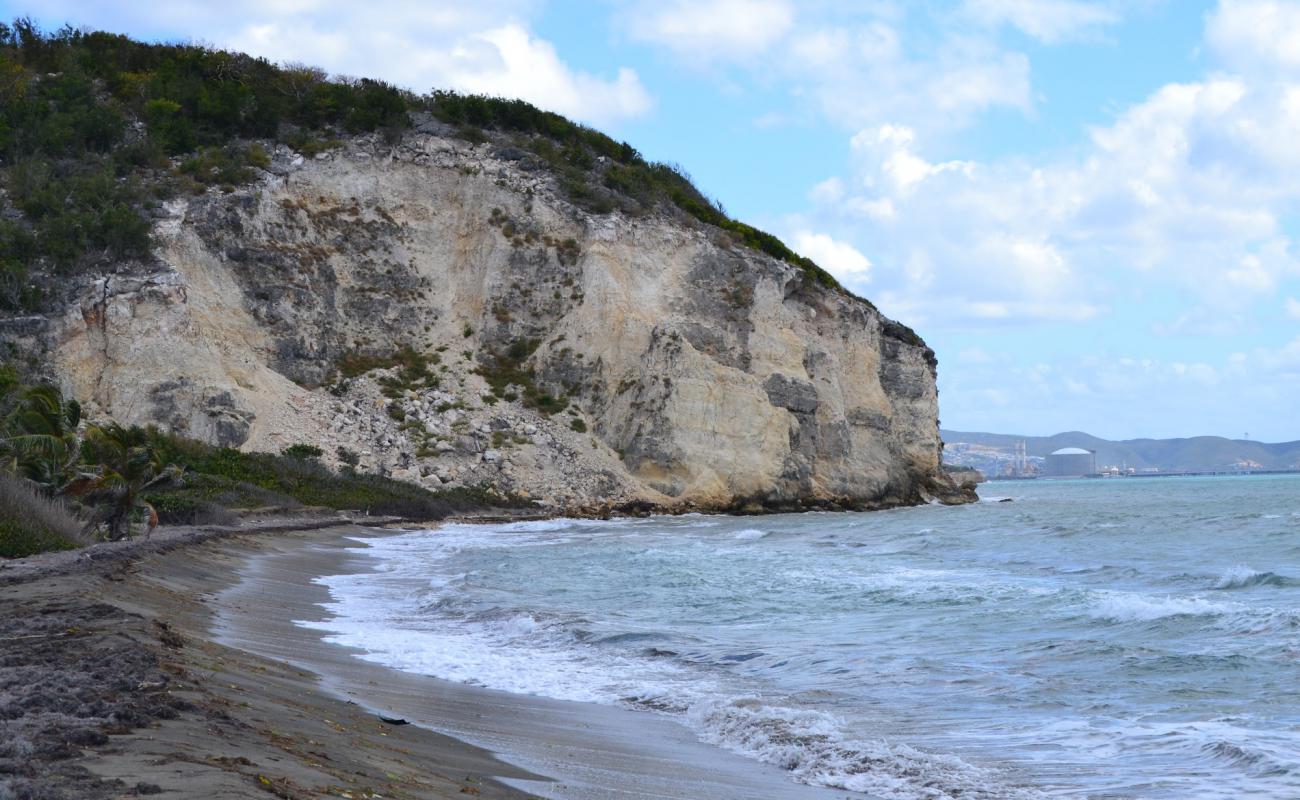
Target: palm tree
[[124, 464], [38, 435]]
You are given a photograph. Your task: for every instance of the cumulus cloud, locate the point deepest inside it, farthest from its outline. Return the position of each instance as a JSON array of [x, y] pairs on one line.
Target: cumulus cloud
[[481, 47], [1254, 34], [1048, 21], [1188, 188], [893, 147], [851, 64], [861, 75], [838, 258], [528, 67], [711, 30]]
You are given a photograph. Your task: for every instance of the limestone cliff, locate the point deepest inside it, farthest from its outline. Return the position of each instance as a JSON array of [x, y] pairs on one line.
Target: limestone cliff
[[697, 373]]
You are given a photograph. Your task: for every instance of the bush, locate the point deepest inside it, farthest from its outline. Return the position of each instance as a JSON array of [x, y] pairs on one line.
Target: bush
[[303, 451], [225, 166], [413, 370], [179, 508], [502, 370], [31, 522], [233, 479]]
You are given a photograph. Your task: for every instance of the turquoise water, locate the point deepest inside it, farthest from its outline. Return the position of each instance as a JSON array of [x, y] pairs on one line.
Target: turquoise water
[[1105, 638]]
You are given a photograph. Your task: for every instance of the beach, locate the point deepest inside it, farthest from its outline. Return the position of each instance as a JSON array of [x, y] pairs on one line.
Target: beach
[[1037, 648], [175, 668]]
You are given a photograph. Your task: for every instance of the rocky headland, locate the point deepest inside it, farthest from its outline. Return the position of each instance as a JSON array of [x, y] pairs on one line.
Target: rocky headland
[[439, 311]]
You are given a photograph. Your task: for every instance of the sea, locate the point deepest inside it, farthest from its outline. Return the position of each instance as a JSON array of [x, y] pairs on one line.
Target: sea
[[1124, 638]]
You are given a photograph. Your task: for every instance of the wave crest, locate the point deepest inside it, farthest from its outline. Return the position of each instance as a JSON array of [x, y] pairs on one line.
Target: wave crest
[[1143, 608], [1243, 577]]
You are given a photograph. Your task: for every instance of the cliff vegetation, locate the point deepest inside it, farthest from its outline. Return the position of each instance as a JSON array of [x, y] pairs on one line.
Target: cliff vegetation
[[97, 130]]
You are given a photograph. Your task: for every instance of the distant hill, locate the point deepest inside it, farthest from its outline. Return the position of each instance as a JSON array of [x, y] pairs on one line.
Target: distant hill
[[1197, 453]]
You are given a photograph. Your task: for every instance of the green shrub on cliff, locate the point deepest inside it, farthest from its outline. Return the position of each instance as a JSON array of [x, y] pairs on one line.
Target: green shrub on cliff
[[83, 175], [96, 128]]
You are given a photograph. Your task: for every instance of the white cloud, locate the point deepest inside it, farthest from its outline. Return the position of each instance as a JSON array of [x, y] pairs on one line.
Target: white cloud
[[851, 62], [893, 146], [830, 190], [1292, 308], [712, 30], [1255, 34], [1185, 191], [861, 76], [484, 47], [528, 67], [838, 258], [1046, 20]]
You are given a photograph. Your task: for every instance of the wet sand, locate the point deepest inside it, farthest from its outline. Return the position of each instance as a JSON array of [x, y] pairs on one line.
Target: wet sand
[[175, 670]]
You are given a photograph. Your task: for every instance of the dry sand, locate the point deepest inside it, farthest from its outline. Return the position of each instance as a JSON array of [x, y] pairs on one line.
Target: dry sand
[[174, 668]]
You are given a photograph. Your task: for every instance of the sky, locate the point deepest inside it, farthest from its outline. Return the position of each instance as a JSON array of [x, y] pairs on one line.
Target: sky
[[1086, 207]]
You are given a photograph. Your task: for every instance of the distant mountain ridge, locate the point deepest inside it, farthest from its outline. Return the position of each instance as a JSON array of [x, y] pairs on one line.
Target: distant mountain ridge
[[1198, 453]]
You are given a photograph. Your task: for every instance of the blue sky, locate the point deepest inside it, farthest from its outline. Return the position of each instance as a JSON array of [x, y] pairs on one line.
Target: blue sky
[[1087, 207]]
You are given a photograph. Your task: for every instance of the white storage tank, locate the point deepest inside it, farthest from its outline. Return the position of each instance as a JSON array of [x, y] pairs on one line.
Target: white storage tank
[[1071, 462]]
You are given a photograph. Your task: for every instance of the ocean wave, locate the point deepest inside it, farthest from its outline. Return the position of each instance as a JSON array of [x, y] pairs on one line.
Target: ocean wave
[[512, 651], [749, 533], [811, 746], [1243, 577], [1127, 607]]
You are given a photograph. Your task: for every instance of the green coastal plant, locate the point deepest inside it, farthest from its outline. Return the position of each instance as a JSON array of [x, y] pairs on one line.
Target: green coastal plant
[[303, 452], [40, 440], [61, 488], [123, 463]]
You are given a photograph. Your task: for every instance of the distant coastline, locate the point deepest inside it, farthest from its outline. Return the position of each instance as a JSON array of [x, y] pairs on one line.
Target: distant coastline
[[995, 454]]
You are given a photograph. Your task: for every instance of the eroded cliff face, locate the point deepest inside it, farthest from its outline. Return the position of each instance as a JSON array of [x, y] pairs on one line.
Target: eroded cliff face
[[700, 374]]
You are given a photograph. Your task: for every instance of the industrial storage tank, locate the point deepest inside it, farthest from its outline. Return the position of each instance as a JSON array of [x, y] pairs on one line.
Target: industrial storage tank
[[1071, 462]]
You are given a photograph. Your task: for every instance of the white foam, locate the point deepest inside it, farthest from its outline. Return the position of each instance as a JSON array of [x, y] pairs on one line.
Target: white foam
[[510, 651], [749, 533], [810, 745], [1130, 607]]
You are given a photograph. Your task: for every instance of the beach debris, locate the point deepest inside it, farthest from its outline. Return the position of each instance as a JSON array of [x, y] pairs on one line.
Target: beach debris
[[167, 636], [392, 720]]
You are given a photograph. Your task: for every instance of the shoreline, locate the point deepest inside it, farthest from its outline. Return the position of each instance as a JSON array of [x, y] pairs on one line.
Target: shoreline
[[115, 686], [587, 751], [215, 692]]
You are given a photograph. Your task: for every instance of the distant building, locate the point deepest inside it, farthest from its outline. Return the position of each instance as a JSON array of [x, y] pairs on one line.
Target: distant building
[[1071, 462]]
